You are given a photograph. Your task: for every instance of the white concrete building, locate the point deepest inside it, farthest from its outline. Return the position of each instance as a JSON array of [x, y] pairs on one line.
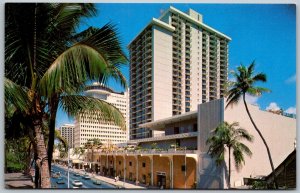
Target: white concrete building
[[67, 132], [191, 130], [89, 126], [176, 63]]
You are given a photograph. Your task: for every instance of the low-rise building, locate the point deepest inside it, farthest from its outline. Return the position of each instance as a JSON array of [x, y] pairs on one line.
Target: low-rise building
[[178, 158]]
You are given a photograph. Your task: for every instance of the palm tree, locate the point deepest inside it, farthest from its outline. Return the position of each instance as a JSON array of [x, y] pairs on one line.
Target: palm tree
[[47, 64], [245, 83], [76, 151], [93, 144], [230, 136]]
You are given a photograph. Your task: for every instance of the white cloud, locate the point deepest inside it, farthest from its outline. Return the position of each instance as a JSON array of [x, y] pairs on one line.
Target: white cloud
[[291, 79], [273, 106], [251, 99], [291, 110]]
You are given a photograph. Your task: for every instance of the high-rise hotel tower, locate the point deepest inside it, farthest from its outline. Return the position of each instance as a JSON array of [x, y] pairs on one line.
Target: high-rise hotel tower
[[176, 62]]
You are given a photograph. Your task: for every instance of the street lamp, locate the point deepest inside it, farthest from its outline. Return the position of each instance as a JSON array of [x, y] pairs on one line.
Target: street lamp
[[68, 167]]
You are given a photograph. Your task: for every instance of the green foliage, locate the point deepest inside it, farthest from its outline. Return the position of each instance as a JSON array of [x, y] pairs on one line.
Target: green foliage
[[154, 146], [16, 154], [230, 136], [245, 81], [259, 185]]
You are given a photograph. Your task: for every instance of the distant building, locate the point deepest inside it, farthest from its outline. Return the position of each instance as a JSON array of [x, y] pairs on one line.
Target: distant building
[[176, 63], [89, 126], [278, 112], [67, 132]]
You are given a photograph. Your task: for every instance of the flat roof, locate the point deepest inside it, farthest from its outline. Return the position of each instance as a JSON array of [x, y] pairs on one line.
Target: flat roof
[[154, 22], [161, 123], [186, 16]]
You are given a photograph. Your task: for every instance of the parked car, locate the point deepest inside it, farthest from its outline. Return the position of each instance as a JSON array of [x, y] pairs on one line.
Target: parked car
[[60, 180], [86, 177], [76, 174], [77, 183], [97, 182]]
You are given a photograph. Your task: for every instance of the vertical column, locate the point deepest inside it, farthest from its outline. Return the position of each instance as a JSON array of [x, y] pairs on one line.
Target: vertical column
[[171, 171], [137, 168], [115, 165], [151, 159], [124, 156]]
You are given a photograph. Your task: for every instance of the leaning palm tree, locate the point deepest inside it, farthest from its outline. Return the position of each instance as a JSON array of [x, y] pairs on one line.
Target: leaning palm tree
[[229, 136], [47, 64], [245, 84]]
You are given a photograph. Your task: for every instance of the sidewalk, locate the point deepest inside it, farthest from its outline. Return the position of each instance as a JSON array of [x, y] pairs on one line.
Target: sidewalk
[[127, 184], [17, 180]]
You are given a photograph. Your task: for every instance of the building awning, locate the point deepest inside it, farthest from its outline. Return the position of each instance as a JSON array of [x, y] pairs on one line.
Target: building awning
[[76, 161], [161, 124]]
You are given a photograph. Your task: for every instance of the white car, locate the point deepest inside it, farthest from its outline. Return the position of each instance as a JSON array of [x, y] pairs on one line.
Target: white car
[[77, 183]]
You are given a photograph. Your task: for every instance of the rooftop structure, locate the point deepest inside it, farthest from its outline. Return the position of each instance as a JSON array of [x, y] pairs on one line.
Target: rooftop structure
[[89, 126]]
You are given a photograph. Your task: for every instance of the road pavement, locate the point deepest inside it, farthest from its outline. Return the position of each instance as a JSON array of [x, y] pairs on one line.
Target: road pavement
[[87, 183], [110, 181]]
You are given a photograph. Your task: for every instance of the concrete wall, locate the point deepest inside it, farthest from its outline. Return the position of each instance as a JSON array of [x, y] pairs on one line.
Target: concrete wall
[[196, 70], [166, 18], [162, 73], [278, 131], [210, 115], [179, 175]]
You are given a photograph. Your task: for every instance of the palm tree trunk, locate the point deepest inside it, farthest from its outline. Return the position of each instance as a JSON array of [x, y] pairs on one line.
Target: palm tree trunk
[[92, 159], [41, 161], [229, 167], [264, 141], [54, 105]]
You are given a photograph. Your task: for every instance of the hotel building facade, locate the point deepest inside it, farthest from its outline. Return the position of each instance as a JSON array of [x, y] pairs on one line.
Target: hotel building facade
[[178, 69], [67, 132], [178, 159], [176, 63], [89, 126]]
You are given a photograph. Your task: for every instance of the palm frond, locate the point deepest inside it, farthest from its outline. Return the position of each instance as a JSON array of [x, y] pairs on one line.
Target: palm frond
[[61, 139], [76, 104], [16, 95], [86, 60], [260, 77], [257, 91]]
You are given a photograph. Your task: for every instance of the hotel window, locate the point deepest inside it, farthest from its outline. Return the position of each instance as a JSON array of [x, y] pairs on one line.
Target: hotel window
[[144, 164], [130, 163], [119, 162], [183, 168]]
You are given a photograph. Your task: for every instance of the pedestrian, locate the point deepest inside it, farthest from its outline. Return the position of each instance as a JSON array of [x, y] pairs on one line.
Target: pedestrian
[[115, 178]]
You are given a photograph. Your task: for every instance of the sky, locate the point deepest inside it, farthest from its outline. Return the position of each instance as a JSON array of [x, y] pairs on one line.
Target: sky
[[265, 33]]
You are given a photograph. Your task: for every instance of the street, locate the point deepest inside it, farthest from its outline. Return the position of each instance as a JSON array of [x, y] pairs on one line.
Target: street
[[86, 183]]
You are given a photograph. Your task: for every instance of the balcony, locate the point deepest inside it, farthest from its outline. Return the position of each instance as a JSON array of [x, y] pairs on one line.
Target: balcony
[[162, 136]]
